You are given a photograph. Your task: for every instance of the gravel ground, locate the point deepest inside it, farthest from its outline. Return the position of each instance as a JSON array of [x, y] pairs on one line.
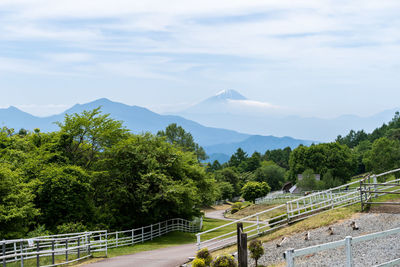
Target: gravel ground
[[368, 253]]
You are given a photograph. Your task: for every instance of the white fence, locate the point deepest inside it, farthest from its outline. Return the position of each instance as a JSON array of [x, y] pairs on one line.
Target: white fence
[[295, 210], [291, 254], [276, 197], [63, 249]]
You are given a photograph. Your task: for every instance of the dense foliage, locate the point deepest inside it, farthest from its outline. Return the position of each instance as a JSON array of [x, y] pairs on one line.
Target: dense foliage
[[93, 174]]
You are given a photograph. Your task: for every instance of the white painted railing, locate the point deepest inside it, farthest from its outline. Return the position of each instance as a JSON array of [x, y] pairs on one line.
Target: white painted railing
[[295, 210], [291, 254], [66, 248]]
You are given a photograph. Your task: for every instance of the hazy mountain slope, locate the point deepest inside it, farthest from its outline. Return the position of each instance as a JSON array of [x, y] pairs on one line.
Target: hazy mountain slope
[[261, 118], [257, 143]]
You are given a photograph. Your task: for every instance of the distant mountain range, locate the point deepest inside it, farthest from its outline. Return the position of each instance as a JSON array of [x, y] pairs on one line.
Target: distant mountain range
[[218, 143], [230, 110]]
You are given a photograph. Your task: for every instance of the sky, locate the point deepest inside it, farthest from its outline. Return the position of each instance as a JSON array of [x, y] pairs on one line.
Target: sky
[[312, 58]]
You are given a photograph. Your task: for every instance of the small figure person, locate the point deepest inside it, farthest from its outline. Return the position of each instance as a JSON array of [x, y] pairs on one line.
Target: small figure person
[[330, 231], [281, 243], [354, 225], [307, 236]]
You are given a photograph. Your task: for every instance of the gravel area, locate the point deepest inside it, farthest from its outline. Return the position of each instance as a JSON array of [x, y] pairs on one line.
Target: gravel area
[[368, 253]]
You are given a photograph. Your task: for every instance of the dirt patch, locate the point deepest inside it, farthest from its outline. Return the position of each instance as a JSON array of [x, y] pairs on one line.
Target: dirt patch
[[386, 208]]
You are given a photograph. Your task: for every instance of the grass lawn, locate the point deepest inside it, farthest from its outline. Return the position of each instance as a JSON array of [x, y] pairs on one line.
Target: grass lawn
[[253, 209]]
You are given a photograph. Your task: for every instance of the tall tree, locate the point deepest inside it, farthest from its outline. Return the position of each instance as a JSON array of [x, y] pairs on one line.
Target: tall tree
[[176, 135]]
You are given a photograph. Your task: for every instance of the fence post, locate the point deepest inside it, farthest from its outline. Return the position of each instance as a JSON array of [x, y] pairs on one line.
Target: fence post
[[151, 232], [159, 229], [289, 256], [142, 234], [37, 255], [106, 243], [375, 186], [198, 241], [239, 229], [349, 254], [258, 225], [361, 196], [4, 252], [52, 251], [89, 245], [287, 212], [201, 223], [79, 249], [133, 236], [66, 250], [116, 239], [21, 246], [243, 250]]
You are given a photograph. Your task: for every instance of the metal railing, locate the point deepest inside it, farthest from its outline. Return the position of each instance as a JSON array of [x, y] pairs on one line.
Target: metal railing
[[291, 254], [62, 249]]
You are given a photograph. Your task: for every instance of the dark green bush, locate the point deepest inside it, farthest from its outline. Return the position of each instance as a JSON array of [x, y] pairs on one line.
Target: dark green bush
[[198, 263], [234, 210], [256, 250], [224, 261], [274, 220], [205, 255]]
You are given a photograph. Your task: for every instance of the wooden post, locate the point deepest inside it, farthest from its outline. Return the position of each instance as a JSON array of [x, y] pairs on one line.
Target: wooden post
[[37, 255], [52, 251], [151, 232], [133, 236], [142, 234], [4, 252], [243, 247], [66, 250], [116, 239], [239, 229]]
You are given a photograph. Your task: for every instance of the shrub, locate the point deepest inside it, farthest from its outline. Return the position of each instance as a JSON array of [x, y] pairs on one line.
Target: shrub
[[234, 210], [224, 261], [198, 263], [237, 205], [205, 255], [40, 230], [274, 220], [71, 228], [256, 250]]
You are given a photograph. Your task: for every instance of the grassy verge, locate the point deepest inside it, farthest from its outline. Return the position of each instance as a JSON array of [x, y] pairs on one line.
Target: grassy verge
[[253, 209]]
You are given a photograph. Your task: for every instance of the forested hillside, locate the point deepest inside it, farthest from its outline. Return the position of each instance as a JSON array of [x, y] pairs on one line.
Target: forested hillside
[[93, 173]]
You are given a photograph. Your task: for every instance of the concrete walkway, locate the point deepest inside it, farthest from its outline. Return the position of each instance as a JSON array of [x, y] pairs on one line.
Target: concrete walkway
[[164, 257]]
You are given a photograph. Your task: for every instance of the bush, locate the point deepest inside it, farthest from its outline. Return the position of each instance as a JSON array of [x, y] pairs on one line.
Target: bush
[[234, 210], [224, 261], [198, 263], [252, 190], [256, 250], [237, 205], [274, 220], [71, 228], [40, 230], [205, 255]]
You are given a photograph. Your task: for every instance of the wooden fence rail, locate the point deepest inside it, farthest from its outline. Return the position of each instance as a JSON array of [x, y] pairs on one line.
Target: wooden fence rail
[[62, 249]]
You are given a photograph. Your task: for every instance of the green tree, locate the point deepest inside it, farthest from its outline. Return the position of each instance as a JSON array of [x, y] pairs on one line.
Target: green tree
[[65, 195], [231, 176], [238, 158], [383, 156], [176, 135], [17, 210], [146, 180], [84, 135], [271, 174], [252, 190]]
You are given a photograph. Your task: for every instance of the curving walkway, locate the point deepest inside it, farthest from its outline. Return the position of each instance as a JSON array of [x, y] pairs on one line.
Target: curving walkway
[[164, 257]]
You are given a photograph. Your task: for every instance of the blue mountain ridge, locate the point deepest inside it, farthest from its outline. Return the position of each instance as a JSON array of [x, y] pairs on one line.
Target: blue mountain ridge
[[139, 120]]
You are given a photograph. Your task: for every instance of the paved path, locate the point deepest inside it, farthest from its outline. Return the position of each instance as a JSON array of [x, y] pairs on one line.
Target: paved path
[[164, 257]]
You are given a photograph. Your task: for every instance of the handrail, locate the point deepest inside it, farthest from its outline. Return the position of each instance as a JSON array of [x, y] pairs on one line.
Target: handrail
[[301, 208]]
